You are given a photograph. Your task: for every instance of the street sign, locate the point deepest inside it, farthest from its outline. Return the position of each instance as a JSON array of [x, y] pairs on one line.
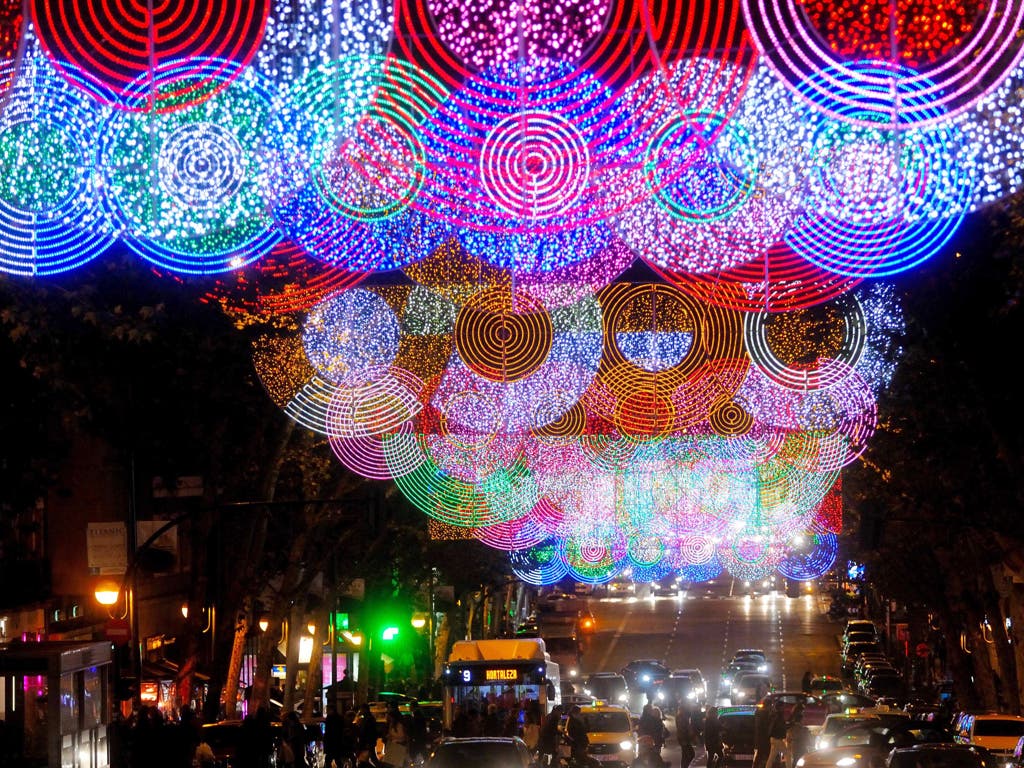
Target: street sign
[[922, 650], [119, 631]]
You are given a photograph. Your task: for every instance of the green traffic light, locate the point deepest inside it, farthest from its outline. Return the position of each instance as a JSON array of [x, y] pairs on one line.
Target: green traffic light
[[390, 633]]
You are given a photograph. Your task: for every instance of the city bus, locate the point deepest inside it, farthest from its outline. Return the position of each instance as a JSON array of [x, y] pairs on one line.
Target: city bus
[[506, 672]]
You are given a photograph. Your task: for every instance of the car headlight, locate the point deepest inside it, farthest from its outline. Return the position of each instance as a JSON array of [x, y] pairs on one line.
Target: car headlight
[[646, 678], [691, 695], [626, 744], [843, 762], [699, 689], [800, 763], [572, 673], [661, 695], [762, 667], [623, 697]]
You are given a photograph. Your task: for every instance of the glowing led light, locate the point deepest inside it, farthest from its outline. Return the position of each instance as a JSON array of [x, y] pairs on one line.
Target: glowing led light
[[483, 34], [804, 566], [782, 31], [127, 49], [190, 188], [302, 35], [51, 220], [352, 337]]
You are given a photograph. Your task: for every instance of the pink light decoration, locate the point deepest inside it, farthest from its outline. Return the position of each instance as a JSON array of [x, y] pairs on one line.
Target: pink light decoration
[[365, 455], [489, 32]]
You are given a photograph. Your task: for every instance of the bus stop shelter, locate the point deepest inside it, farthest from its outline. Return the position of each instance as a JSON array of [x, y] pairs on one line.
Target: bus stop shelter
[[55, 704]]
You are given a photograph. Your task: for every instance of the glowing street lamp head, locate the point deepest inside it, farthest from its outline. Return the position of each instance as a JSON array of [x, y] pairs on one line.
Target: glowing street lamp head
[[107, 593]]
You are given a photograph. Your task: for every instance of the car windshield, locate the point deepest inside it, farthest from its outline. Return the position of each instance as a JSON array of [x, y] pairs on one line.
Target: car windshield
[[997, 728], [607, 722], [737, 728], [476, 754]]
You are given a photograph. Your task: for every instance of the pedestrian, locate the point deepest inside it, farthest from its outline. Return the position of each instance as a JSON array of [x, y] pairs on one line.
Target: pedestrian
[[713, 737], [805, 682], [547, 739], [762, 740], [576, 736], [293, 743], [366, 734], [686, 735], [334, 728], [417, 727], [396, 743], [531, 728], [777, 735], [798, 736]]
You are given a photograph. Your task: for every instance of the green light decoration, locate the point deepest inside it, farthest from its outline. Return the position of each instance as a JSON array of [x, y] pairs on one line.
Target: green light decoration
[[191, 190]]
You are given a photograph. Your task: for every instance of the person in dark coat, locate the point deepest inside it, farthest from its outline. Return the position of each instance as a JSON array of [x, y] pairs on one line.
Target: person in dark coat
[[686, 735], [713, 737], [334, 730], [547, 742]]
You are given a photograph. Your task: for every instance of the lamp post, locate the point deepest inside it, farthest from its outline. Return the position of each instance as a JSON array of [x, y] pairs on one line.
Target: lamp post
[[109, 594]]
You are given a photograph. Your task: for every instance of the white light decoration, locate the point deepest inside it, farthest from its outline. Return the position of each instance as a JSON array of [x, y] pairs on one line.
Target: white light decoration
[[302, 35]]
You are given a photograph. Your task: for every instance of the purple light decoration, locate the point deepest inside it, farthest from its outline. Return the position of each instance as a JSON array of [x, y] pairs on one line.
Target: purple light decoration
[[498, 32], [698, 574], [351, 338]]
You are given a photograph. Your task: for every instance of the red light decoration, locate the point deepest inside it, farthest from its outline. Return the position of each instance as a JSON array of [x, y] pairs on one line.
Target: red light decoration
[[120, 45], [919, 32]]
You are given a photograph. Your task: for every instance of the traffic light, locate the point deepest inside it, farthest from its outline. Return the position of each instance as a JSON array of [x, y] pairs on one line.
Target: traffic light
[[389, 634]]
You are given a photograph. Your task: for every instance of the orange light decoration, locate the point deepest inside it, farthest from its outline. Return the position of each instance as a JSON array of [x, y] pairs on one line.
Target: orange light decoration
[[503, 335]]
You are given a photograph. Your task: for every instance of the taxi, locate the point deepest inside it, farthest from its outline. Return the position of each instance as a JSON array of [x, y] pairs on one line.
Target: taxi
[[610, 733]]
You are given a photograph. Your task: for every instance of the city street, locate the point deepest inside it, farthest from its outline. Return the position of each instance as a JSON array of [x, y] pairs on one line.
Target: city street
[[703, 626]]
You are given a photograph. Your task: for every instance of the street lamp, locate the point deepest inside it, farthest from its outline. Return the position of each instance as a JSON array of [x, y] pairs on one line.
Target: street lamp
[[109, 594]]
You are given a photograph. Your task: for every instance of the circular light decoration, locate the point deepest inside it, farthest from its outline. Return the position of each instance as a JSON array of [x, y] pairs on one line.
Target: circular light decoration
[[352, 337], [51, 219], [375, 408], [756, 170], [302, 35], [810, 558], [728, 417], [190, 188], [503, 335], [881, 201], [750, 558], [540, 565], [808, 348], [126, 47], [367, 163], [648, 559], [365, 455], [498, 32], [971, 57], [513, 535], [594, 559], [519, 160]]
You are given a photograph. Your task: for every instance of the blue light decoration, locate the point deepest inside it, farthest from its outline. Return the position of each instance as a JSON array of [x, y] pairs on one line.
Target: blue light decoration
[[519, 161], [698, 574], [540, 565], [883, 195], [51, 219], [811, 557], [361, 139], [595, 557], [190, 189]]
